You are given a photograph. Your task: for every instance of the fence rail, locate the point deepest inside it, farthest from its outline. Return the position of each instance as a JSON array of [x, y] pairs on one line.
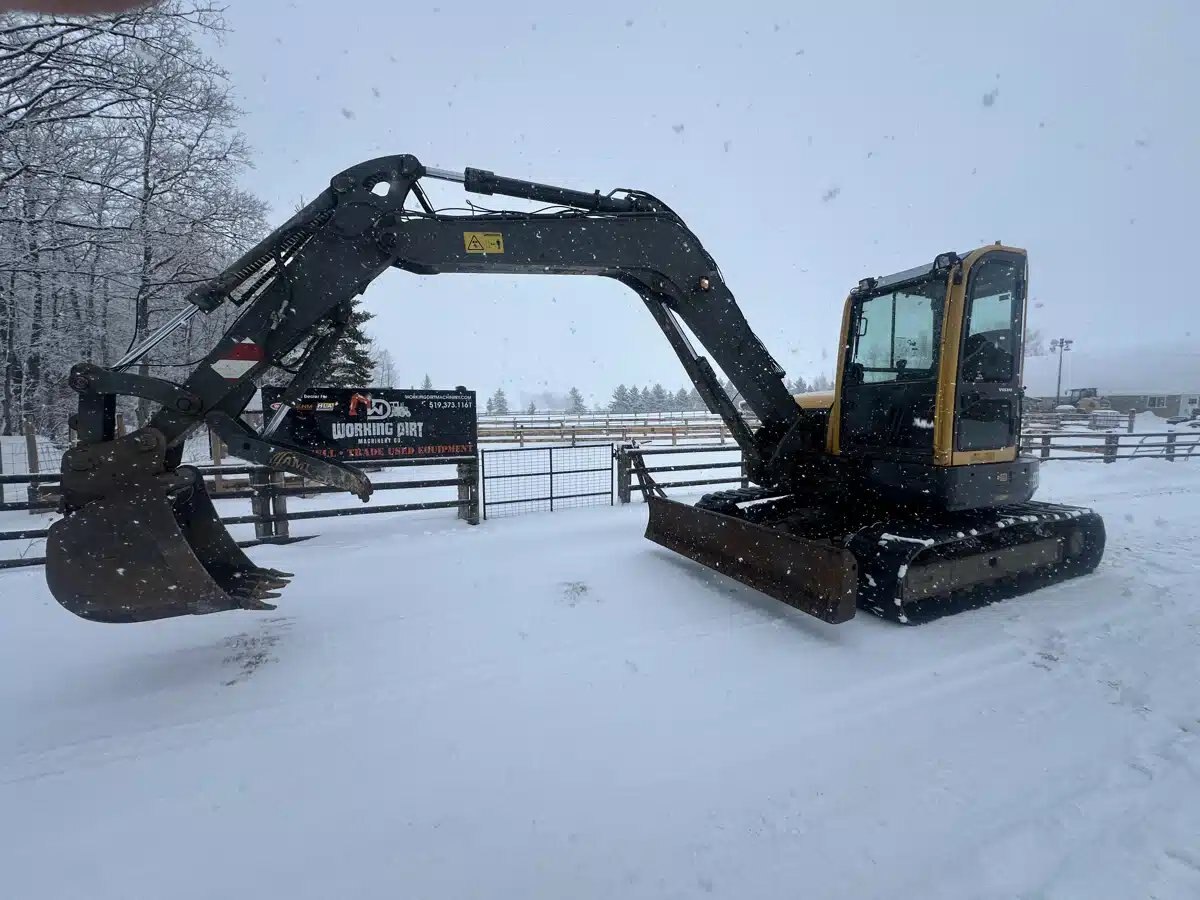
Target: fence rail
[[268, 494]]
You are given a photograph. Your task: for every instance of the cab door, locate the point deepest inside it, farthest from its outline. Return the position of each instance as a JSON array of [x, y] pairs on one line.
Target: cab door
[[987, 400], [888, 387]]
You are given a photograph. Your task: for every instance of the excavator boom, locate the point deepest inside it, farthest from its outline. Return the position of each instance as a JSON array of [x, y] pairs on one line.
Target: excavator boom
[[107, 561]]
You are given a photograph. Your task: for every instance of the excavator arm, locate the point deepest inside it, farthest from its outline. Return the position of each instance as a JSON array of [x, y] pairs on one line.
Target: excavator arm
[[130, 508]]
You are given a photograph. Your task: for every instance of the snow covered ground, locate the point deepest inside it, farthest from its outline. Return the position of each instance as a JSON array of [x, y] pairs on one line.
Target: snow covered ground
[[551, 706]]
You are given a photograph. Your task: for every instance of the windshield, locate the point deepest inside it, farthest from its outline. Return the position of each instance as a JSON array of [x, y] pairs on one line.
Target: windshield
[[896, 334]]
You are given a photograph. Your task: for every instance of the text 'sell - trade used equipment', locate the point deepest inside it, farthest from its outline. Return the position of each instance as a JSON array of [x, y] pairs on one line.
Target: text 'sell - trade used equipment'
[[902, 492]]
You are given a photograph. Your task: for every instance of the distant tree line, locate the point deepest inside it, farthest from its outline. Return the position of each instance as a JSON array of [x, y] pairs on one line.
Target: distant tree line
[[652, 399]]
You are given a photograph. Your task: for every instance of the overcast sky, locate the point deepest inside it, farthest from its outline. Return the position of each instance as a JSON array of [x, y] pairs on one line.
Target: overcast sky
[[808, 145]]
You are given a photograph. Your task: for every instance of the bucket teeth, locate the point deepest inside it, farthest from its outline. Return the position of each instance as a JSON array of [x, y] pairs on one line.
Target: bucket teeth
[[256, 603]]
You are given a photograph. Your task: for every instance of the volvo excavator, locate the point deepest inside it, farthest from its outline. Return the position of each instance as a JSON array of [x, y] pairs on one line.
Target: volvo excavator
[[903, 493]]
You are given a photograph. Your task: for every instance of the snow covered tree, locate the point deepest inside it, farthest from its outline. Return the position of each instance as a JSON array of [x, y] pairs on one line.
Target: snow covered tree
[[120, 163], [799, 386], [427, 383], [658, 398], [351, 365], [681, 402], [499, 403], [695, 401], [575, 404], [622, 401], [385, 369], [491, 406]]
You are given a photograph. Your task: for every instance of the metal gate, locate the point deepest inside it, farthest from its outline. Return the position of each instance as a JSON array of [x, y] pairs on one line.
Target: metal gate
[[543, 479]]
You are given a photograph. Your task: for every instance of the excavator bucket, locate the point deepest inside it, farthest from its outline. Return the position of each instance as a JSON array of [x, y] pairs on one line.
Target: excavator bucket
[[151, 550], [812, 575]]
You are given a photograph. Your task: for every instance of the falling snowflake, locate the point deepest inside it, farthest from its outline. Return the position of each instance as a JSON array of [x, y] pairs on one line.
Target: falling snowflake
[[989, 99], [348, 113], [830, 194]]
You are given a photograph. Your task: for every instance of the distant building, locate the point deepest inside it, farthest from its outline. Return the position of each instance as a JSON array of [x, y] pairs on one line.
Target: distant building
[[1160, 378]]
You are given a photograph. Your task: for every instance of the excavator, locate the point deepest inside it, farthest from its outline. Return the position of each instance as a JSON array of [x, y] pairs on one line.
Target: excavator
[[902, 493]]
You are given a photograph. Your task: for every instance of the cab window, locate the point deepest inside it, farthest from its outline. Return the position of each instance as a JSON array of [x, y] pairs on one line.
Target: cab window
[[896, 335], [990, 338]]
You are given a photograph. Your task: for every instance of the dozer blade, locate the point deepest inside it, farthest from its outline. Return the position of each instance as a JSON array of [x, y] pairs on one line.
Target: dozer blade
[[138, 555], [812, 575]]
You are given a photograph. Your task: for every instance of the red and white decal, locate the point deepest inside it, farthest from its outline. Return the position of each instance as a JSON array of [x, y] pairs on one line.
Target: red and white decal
[[239, 359]]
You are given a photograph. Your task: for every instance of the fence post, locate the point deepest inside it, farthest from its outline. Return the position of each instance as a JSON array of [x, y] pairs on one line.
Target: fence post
[[31, 454], [260, 505], [624, 481], [279, 508], [1112, 443], [214, 444], [468, 493], [1129, 426], [32, 465], [1045, 446], [1169, 450]]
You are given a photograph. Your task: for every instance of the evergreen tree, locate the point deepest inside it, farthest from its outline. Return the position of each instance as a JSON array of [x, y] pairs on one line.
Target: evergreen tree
[[350, 365], [491, 406], [532, 410], [427, 384], [658, 398], [499, 403], [637, 400], [621, 400], [682, 402], [799, 386], [575, 404], [695, 401], [821, 383]]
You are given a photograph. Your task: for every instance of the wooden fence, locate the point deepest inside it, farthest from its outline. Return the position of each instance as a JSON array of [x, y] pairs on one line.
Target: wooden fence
[[268, 494]]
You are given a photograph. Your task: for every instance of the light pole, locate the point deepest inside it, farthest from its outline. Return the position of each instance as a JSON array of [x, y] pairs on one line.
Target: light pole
[[1062, 345]]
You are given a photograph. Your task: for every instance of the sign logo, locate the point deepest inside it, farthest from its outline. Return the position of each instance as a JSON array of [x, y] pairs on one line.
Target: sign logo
[[377, 408]]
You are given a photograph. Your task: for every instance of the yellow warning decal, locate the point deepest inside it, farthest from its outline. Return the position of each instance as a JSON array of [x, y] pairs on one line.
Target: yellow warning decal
[[483, 241]]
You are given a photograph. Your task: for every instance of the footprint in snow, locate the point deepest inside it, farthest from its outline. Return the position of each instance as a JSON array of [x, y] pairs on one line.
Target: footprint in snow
[[250, 652], [574, 592], [1053, 648]]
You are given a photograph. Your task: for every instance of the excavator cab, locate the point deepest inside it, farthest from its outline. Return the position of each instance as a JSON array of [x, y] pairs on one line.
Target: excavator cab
[[929, 382]]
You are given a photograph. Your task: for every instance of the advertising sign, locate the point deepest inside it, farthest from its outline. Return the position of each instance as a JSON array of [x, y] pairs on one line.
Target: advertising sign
[[366, 424]]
